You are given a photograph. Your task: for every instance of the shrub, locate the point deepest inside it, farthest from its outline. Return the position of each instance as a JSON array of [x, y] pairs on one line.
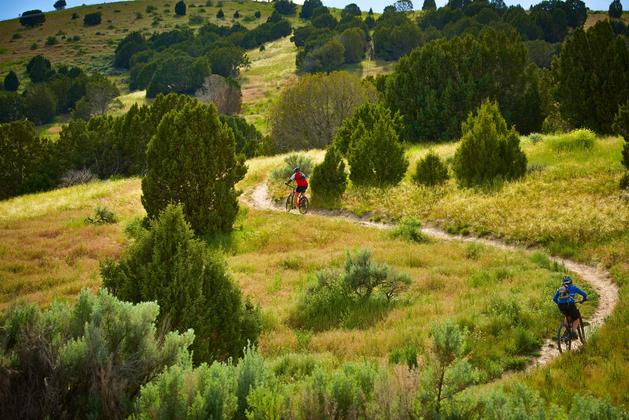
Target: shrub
[[202, 172], [180, 8], [189, 282], [76, 177], [102, 216], [376, 156], [11, 82], [51, 40], [39, 69], [257, 14], [615, 9], [488, 149], [196, 20], [86, 359], [285, 7], [292, 161], [406, 355], [92, 19], [32, 18], [409, 229], [220, 14], [431, 170], [329, 179], [573, 141], [621, 126]]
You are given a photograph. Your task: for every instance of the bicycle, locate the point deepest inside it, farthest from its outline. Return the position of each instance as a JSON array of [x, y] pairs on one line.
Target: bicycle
[[302, 202], [564, 333]]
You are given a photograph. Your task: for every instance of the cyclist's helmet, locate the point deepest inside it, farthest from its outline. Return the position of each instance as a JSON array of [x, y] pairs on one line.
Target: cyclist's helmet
[[567, 280], [296, 169]]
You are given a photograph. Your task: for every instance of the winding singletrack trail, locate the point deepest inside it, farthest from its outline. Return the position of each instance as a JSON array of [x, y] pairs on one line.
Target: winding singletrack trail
[[597, 278]]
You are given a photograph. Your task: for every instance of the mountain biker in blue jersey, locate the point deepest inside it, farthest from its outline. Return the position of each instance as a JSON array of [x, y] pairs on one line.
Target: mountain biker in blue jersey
[[564, 298]]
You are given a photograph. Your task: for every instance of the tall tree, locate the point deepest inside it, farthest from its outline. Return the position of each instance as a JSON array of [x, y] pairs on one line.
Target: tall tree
[[11, 82], [180, 8], [308, 7], [615, 9], [403, 5], [592, 75], [39, 69], [32, 18], [429, 5], [60, 4], [191, 159]]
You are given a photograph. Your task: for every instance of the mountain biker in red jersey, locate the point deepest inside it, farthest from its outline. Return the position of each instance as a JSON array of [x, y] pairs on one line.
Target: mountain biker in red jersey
[[302, 184]]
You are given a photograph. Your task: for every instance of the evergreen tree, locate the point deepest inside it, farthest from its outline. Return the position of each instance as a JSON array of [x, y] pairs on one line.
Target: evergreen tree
[[488, 149], [308, 7], [354, 43], [376, 156], [615, 9], [329, 179], [92, 19], [32, 18], [220, 14], [180, 8], [431, 170], [39, 69], [190, 284], [592, 75], [191, 160], [429, 5], [60, 4], [11, 82], [621, 127]]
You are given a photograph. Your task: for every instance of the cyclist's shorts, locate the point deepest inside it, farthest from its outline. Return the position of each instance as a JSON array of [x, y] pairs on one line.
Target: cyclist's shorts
[[302, 189], [570, 310]]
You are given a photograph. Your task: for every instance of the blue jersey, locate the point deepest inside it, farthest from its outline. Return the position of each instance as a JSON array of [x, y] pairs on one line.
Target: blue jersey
[[565, 294]]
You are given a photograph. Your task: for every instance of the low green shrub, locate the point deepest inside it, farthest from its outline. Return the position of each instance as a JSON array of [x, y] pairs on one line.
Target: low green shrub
[[576, 140], [431, 171], [102, 216], [292, 161], [409, 229], [329, 179], [406, 355]]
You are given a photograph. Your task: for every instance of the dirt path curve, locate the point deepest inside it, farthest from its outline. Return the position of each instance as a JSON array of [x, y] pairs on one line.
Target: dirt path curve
[[597, 278]]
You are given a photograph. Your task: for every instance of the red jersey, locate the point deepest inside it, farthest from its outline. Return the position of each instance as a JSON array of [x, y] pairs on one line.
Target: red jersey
[[300, 178]]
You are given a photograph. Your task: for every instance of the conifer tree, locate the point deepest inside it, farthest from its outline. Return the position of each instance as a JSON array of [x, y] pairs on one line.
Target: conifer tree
[[11, 82], [191, 159], [180, 8], [488, 149], [329, 179], [431, 170], [621, 127], [190, 284], [376, 155], [429, 5], [615, 9]]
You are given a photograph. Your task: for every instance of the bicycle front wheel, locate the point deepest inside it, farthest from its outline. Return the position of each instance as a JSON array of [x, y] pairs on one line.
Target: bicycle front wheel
[[581, 331], [289, 202], [303, 205], [564, 340]]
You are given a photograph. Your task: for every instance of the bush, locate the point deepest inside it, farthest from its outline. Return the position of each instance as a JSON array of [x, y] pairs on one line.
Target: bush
[[621, 126], [615, 9], [488, 149], [180, 8], [409, 229], [291, 162], [202, 172], [39, 69], [32, 18], [11, 82], [76, 177], [285, 7], [220, 14], [190, 283], [329, 179], [86, 359], [376, 155], [102, 216], [92, 19], [406, 355], [573, 141], [431, 171], [51, 40]]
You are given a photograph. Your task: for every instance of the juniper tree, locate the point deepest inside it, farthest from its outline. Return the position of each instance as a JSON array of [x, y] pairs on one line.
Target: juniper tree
[[189, 282], [488, 149], [615, 9], [11, 82], [431, 170], [180, 8], [191, 160], [329, 179], [621, 126]]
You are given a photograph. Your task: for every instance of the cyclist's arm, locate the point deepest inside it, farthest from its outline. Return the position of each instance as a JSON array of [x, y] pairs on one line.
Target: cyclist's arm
[[556, 297], [581, 292]]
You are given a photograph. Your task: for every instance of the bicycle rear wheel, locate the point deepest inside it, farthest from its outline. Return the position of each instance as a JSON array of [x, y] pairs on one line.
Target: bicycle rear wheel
[[303, 205], [564, 340], [289, 202], [581, 331]]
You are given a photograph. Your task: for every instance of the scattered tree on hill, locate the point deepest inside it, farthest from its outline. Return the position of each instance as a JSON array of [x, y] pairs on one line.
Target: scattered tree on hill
[[189, 283], [220, 14], [180, 8], [227, 61], [236, 15], [40, 104], [350, 10], [60, 4], [39, 69], [376, 155], [285, 7], [395, 35], [621, 127], [24, 166], [615, 9], [83, 359], [488, 149], [592, 75], [324, 19], [329, 179], [11, 107], [403, 5], [308, 7], [354, 43], [11, 82], [130, 45], [201, 172], [92, 19], [32, 18], [176, 72], [99, 92], [491, 65], [309, 111], [327, 58], [431, 170], [429, 5]]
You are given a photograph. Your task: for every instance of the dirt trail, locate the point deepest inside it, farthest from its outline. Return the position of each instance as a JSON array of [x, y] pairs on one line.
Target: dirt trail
[[597, 278]]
